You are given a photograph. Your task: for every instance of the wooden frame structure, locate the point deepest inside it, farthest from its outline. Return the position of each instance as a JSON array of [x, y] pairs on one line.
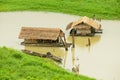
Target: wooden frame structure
[[47, 37], [84, 26]]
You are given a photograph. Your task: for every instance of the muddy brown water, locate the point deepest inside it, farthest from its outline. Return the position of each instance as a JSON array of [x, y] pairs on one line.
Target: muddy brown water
[[101, 60]]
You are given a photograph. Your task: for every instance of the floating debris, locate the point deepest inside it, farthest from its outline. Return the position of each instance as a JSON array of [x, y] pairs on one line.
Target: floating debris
[[47, 55]]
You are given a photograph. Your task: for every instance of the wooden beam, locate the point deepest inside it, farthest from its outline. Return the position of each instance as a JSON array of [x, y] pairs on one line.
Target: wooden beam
[[73, 40], [89, 42], [63, 43], [66, 48], [47, 55]]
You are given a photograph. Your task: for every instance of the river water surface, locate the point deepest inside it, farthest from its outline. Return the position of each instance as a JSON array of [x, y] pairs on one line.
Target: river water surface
[[101, 60]]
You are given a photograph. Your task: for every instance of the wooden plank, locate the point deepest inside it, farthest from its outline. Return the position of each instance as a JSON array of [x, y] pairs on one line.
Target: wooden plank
[[66, 48], [46, 44], [73, 40], [47, 55], [89, 42], [63, 43]]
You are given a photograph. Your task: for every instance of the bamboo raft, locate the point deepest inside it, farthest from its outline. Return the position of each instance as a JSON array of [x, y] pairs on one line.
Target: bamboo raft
[[85, 33], [47, 55], [46, 45]]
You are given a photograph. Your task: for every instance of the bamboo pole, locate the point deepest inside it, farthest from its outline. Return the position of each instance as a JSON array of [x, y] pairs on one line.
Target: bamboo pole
[[73, 40], [89, 43], [63, 43], [66, 48]]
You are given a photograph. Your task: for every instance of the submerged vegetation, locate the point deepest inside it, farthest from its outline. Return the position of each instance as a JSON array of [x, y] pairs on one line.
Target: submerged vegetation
[[105, 9], [15, 65]]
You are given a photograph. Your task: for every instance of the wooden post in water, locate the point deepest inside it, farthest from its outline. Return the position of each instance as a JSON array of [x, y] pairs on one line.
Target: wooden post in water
[[66, 48], [64, 43], [73, 40], [89, 43]]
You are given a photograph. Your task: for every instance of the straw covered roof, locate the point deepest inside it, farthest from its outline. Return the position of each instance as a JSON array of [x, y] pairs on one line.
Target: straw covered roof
[[40, 33], [84, 20]]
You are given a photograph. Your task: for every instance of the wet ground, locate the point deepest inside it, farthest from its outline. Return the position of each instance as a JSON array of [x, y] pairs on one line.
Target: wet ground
[[101, 60]]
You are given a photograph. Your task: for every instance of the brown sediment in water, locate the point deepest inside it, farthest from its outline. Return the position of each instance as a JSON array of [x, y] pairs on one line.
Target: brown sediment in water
[[100, 60]]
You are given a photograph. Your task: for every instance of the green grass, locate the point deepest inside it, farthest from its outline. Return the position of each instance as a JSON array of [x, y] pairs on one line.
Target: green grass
[[105, 9], [15, 65]]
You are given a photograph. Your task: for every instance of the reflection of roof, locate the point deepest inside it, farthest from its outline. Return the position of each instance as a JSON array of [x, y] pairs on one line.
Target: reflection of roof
[[84, 20], [40, 33]]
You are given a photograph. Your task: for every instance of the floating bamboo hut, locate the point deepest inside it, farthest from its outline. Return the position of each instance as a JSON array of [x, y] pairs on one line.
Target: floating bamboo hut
[[47, 37], [84, 26]]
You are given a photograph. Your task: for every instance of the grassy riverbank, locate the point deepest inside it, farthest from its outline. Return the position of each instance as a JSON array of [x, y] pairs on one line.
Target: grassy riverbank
[[15, 65], [105, 9]]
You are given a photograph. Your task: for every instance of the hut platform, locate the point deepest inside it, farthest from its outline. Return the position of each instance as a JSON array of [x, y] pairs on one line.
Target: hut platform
[[47, 55], [91, 34], [46, 44]]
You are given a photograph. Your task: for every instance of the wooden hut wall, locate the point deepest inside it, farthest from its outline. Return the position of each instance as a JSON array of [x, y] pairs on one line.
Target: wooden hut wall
[[83, 32], [83, 26], [34, 41], [30, 41]]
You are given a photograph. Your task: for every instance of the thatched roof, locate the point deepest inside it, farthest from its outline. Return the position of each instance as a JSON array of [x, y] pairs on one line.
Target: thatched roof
[[84, 20], [40, 33]]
